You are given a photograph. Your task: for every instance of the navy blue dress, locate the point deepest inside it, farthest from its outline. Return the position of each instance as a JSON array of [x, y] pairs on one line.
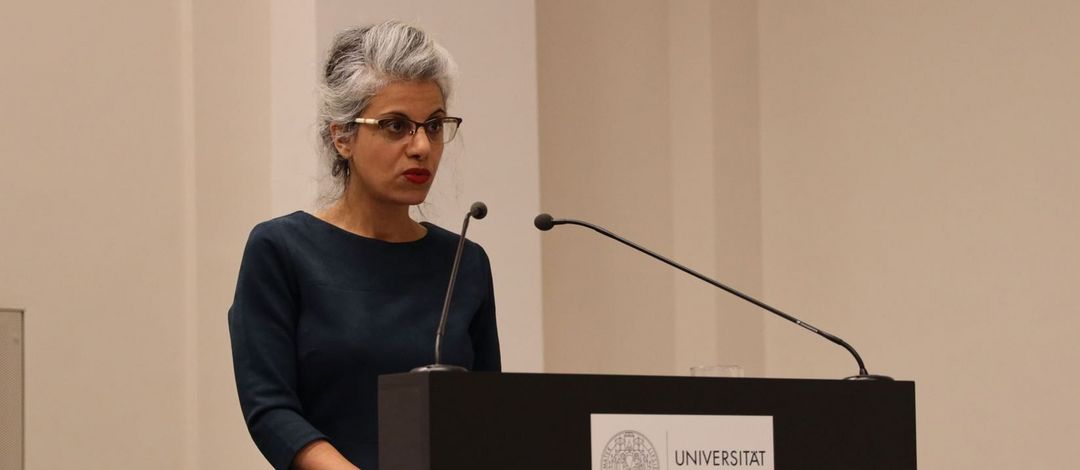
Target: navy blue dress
[[320, 313]]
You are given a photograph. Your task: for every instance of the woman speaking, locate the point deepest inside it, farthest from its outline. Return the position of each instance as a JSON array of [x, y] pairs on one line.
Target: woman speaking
[[327, 302]]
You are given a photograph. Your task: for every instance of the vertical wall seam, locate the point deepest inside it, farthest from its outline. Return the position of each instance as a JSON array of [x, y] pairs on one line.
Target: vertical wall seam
[[539, 182], [190, 247], [760, 180], [691, 91]]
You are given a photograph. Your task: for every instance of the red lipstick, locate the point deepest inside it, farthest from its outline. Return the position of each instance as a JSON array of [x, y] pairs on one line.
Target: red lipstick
[[417, 175]]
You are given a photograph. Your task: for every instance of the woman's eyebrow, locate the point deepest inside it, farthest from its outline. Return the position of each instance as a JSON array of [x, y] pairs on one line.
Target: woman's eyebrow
[[406, 116]]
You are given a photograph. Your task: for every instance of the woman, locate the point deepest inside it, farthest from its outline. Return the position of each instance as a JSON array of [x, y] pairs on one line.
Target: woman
[[326, 303]]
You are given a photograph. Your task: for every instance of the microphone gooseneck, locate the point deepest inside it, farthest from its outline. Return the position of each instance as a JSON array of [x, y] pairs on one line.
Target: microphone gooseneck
[[477, 211], [546, 222]]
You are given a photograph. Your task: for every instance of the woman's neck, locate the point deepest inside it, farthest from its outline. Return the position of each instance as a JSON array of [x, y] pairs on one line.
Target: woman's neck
[[387, 222]]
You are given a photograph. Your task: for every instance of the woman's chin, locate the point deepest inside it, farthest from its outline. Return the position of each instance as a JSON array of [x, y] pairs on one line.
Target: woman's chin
[[412, 199]]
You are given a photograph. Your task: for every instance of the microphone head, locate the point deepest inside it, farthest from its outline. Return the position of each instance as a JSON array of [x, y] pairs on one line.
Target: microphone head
[[478, 210], [544, 222]]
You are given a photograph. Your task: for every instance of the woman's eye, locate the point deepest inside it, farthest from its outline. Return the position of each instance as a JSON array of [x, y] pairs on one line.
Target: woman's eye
[[433, 127], [396, 126]]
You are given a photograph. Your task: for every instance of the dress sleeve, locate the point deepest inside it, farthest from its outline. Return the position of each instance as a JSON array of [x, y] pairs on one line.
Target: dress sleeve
[[484, 330], [262, 326]]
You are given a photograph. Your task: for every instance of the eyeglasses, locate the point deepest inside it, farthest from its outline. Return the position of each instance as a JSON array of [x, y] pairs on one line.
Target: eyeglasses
[[438, 130]]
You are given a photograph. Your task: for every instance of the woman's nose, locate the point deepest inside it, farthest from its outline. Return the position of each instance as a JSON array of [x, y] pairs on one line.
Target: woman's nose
[[419, 146]]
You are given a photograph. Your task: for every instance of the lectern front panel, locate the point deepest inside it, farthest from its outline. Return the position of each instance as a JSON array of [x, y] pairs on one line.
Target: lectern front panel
[[484, 421]]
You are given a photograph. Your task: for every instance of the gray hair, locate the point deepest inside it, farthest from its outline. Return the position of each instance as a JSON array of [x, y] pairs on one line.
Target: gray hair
[[363, 60]]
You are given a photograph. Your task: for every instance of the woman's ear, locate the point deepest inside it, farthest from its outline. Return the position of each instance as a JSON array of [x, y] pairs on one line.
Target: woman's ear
[[342, 141]]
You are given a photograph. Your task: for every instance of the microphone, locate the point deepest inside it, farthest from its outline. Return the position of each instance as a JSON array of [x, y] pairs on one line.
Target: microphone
[[477, 211], [546, 222]]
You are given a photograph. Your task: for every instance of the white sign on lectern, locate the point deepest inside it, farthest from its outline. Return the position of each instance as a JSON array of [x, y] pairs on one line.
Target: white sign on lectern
[[675, 442]]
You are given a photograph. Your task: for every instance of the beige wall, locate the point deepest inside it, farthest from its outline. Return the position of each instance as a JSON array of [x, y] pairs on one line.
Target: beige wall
[[737, 184], [604, 141], [93, 207], [134, 164], [232, 189], [294, 68], [648, 127], [920, 179]]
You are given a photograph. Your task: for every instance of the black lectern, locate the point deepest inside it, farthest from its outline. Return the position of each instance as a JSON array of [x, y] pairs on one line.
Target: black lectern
[[489, 421]]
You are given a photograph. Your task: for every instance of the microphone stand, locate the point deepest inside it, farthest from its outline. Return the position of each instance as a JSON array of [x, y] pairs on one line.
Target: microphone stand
[[546, 222], [479, 211]]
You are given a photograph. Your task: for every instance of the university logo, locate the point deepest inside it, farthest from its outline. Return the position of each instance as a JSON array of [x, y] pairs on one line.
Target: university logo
[[629, 450]]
